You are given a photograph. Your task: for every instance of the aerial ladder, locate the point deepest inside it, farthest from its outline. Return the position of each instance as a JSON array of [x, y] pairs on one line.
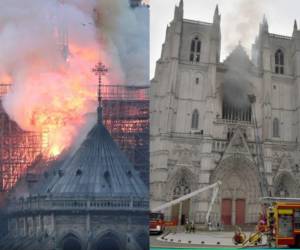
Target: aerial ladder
[[263, 183], [215, 187], [256, 237]]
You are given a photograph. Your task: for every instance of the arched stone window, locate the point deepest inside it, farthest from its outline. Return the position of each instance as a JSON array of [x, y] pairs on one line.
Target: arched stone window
[[285, 185], [275, 127], [108, 241], [195, 50], [182, 188], [279, 62], [143, 240], [195, 119], [71, 242]]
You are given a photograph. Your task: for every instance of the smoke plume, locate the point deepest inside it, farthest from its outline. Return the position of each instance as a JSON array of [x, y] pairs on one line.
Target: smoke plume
[[242, 23], [47, 51], [236, 86]]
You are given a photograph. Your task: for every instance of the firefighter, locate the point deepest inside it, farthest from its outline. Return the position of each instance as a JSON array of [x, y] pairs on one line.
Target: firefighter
[[262, 225], [239, 237]]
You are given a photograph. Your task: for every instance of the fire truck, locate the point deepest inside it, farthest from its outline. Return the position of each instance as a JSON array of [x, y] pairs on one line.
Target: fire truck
[[283, 221], [157, 224], [279, 223]]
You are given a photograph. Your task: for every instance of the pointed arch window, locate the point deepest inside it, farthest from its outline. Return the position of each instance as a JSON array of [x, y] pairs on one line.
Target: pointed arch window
[[195, 119], [182, 188], [279, 62], [195, 50], [275, 127]]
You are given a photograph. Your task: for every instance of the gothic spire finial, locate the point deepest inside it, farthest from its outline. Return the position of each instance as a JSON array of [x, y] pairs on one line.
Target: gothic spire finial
[[265, 21], [217, 10], [295, 25], [264, 26], [178, 15], [217, 16], [99, 70], [181, 4]]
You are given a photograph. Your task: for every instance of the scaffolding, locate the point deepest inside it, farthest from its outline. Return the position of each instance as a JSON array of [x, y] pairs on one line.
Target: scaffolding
[[126, 116], [18, 148]]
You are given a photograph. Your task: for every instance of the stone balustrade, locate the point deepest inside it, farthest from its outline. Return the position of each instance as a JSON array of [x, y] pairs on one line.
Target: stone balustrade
[[236, 122], [58, 204]]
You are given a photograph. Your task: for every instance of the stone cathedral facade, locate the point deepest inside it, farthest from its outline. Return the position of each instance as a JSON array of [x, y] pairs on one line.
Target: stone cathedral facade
[[204, 127]]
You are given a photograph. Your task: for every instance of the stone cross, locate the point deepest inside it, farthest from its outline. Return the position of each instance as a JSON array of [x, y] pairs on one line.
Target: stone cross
[[100, 70]]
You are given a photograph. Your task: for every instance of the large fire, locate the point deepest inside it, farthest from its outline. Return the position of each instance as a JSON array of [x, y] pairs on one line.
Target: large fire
[[47, 52], [61, 110], [47, 88], [66, 94]]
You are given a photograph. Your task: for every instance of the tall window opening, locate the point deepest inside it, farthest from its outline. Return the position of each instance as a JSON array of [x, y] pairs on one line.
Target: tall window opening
[[195, 119], [195, 50], [279, 62], [275, 127]]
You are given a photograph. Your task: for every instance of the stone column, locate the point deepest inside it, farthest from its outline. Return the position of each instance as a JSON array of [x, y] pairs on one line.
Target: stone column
[[129, 223], [180, 213], [39, 223], [25, 226], [88, 222], [17, 227], [192, 215], [34, 225], [52, 223], [42, 223], [233, 214]]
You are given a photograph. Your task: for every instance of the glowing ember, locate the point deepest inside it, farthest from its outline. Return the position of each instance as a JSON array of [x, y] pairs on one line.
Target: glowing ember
[[54, 150]]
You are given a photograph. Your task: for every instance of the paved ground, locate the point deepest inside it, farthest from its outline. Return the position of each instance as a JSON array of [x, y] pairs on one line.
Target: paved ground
[[195, 240]]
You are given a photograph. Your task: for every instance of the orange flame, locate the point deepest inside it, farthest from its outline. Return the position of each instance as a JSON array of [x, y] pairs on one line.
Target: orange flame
[[5, 79], [64, 112], [65, 95]]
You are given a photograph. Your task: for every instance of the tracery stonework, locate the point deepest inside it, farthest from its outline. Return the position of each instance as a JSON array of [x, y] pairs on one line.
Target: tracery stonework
[[202, 121]]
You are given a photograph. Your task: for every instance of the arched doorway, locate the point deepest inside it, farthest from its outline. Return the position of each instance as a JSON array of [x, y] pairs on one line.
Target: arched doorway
[[109, 241], [285, 185], [180, 212], [71, 242], [238, 201], [143, 240]]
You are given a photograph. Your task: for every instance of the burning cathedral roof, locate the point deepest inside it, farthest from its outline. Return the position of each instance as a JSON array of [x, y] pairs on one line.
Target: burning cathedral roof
[[98, 170]]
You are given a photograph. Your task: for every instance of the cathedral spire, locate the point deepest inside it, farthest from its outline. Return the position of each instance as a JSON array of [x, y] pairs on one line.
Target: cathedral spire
[[181, 9], [265, 23], [264, 27], [295, 26], [100, 70], [217, 10], [178, 14], [181, 5], [217, 16], [295, 30]]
